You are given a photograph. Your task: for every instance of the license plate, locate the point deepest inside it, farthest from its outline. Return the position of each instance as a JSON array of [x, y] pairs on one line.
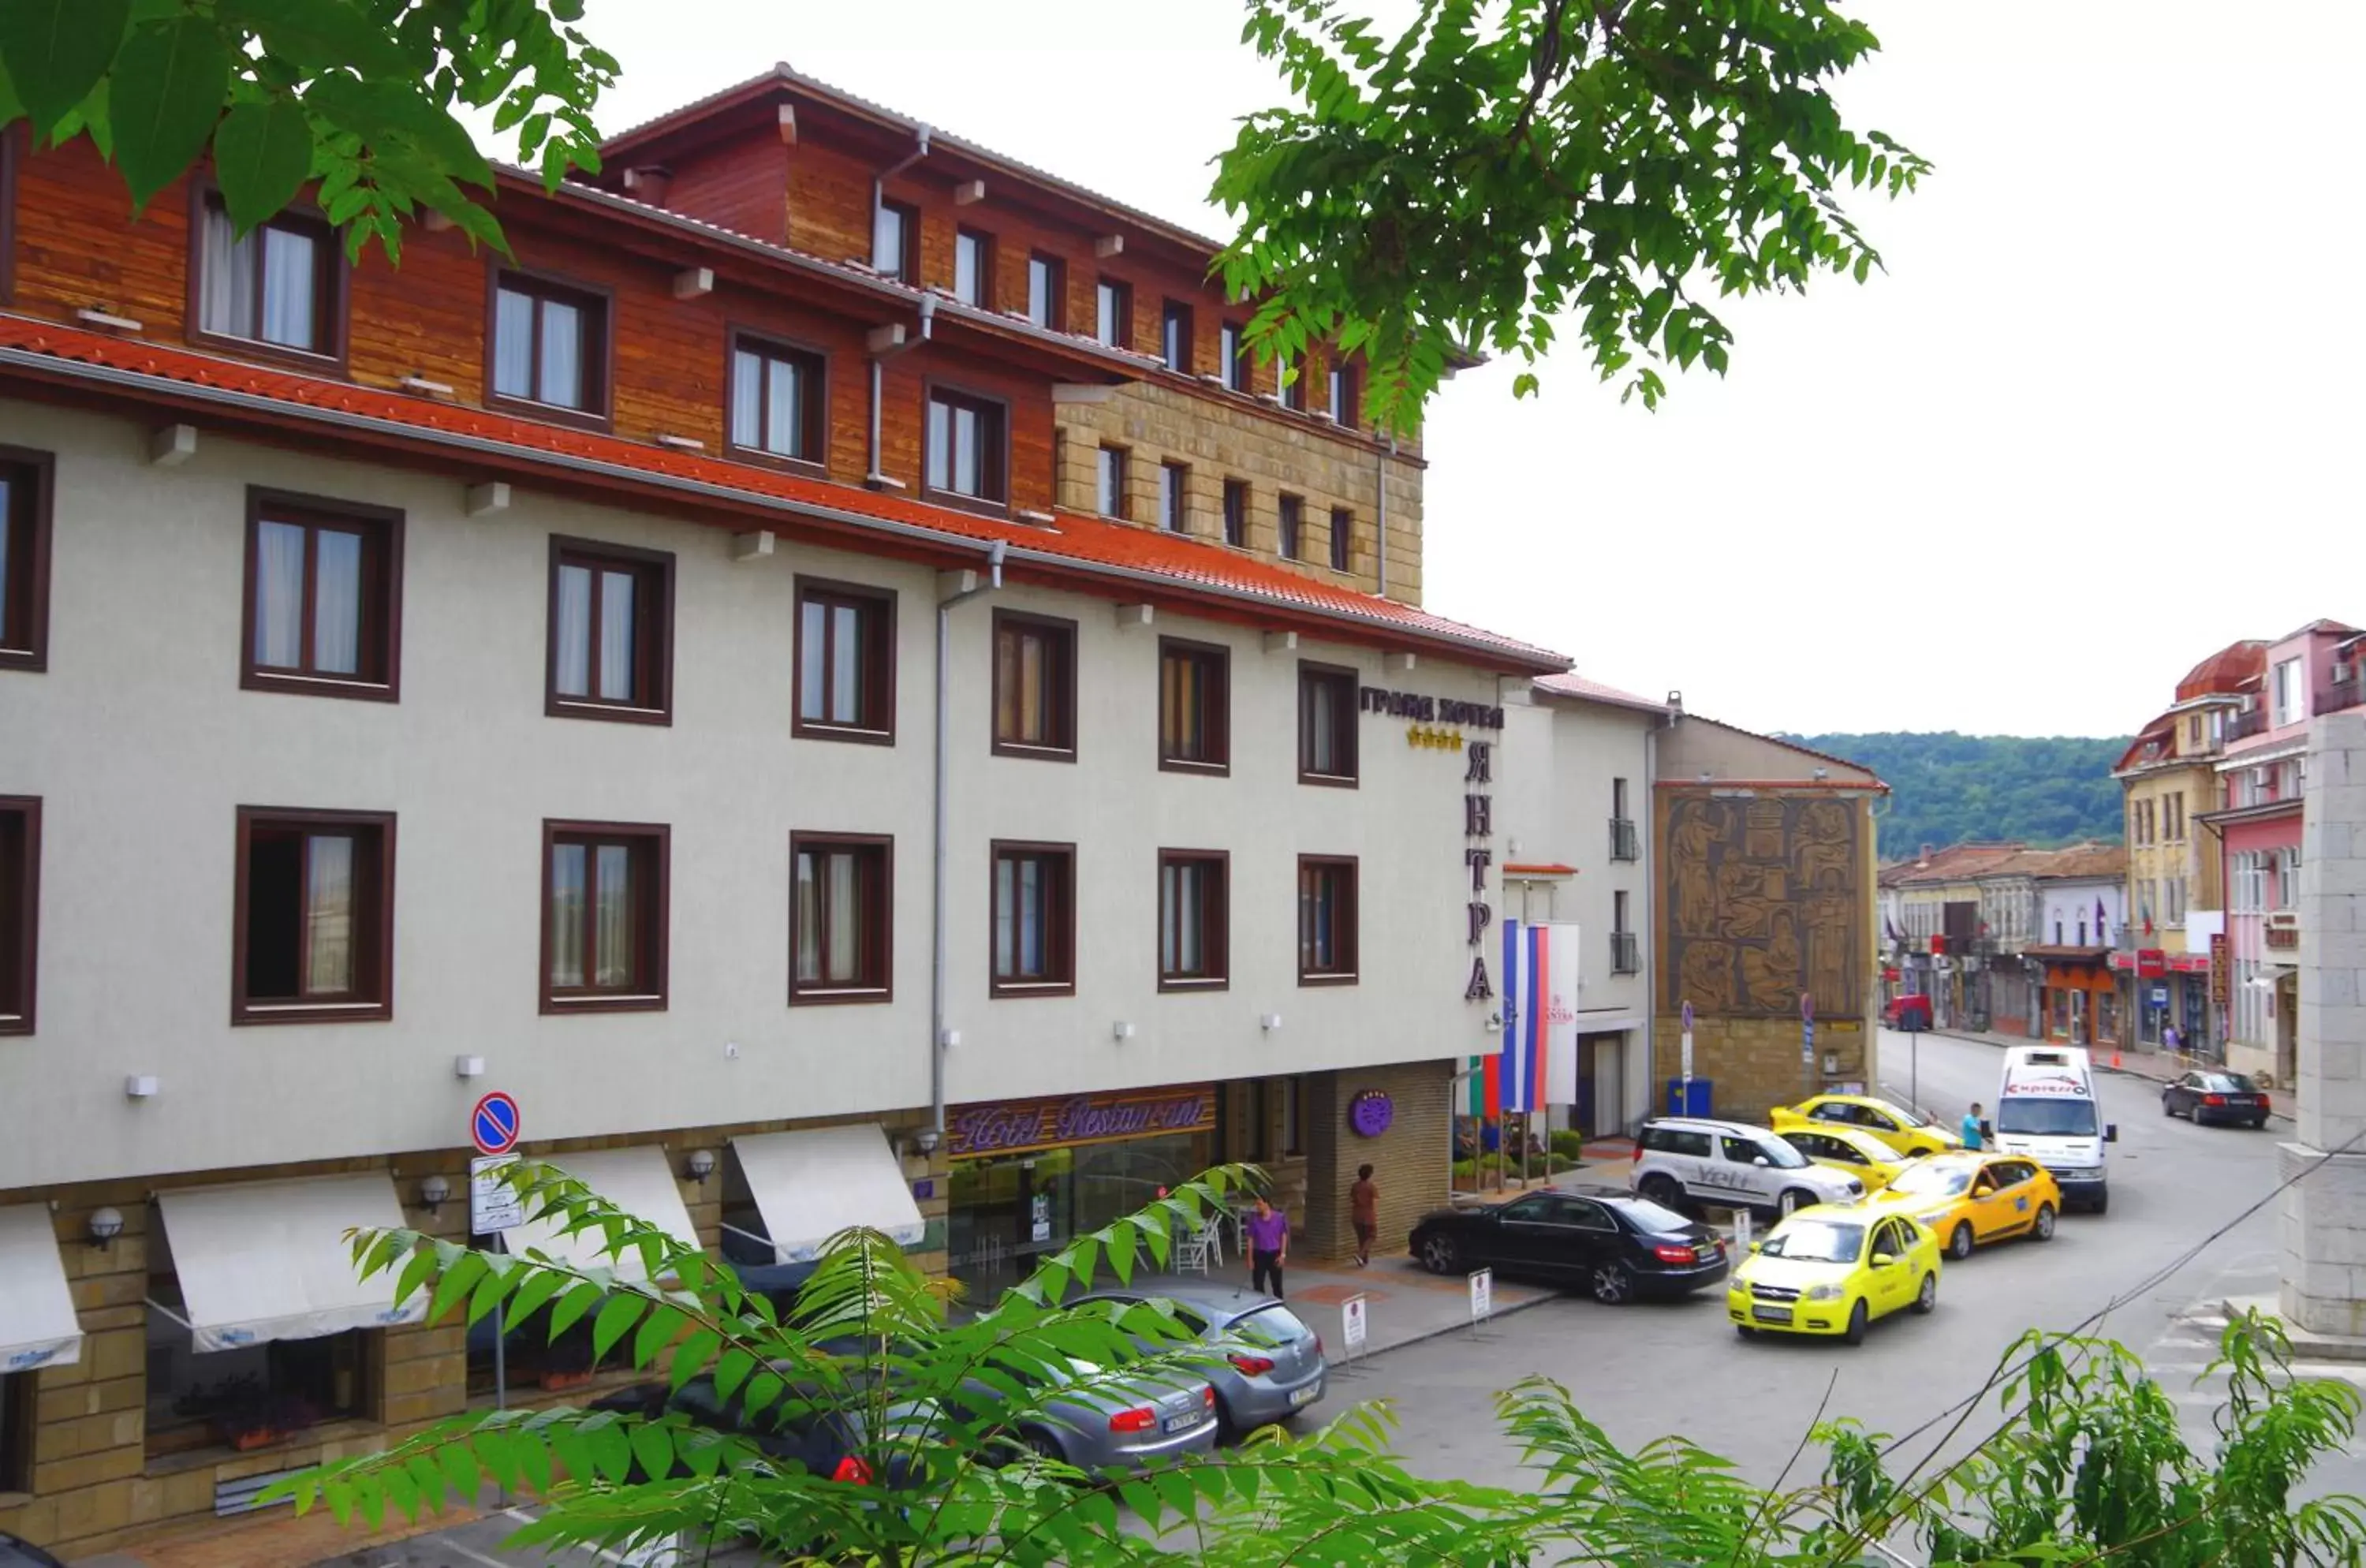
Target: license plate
[[1703, 1254], [1306, 1395], [1177, 1422], [1771, 1315]]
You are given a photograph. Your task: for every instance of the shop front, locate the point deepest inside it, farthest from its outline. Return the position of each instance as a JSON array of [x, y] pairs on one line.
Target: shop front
[[1029, 1176], [2081, 999]]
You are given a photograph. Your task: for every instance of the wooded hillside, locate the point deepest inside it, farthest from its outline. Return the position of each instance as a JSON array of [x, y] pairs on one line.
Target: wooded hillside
[[1948, 787]]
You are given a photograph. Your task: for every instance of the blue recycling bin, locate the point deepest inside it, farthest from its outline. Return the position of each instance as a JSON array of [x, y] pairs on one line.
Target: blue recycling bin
[[1696, 1103]]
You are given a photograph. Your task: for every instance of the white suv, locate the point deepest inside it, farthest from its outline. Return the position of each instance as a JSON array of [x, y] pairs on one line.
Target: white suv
[[1732, 1165]]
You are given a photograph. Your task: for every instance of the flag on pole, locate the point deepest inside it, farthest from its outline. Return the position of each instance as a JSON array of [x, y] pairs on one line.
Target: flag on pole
[[2101, 923], [1480, 1095], [1530, 958]]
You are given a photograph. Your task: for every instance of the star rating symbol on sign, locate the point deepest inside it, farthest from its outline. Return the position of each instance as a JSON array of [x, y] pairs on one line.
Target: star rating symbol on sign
[[1433, 740]]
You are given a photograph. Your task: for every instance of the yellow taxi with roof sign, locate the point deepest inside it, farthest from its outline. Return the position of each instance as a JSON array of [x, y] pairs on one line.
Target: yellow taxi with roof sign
[[1909, 1133], [1971, 1199], [1851, 1149], [1832, 1269]]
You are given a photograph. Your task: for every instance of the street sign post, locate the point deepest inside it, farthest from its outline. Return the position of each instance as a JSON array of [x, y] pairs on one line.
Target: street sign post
[[1686, 1066], [1353, 1326], [493, 1127], [494, 1205], [1741, 1235], [1483, 1296], [494, 1124]]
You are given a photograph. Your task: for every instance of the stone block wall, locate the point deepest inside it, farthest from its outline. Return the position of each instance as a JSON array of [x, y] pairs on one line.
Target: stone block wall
[[1221, 437], [1409, 1161], [1753, 1063]]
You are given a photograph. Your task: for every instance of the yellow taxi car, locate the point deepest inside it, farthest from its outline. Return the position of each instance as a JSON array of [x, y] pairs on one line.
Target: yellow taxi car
[[1901, 1129], [1968, 1200], [1851, 1149], [1832, 1269]]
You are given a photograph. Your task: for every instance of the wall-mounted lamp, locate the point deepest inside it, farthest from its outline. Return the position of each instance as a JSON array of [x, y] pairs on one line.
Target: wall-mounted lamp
[[949, 1039], [701, 1165], [106, 1224], [1120, 1030], [1494, 1021], [1821, 772], [468, 1067], [926, 1139], [142, 1086], [1705, 776], [1270, 1023], [433, 1189]]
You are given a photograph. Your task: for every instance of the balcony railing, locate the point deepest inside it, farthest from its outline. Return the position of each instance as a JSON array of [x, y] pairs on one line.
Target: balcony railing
[[1625, 843], [2341, 694], [1625, 953], [2243, 726]]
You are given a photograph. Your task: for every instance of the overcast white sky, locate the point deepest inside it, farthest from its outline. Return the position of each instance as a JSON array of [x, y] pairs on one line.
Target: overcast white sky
[[2086, 430]]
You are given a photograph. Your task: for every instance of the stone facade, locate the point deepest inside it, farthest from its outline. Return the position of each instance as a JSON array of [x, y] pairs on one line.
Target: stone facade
[[1221, 437], [2323, 1229], [1753, 1063], [1408, 1161]]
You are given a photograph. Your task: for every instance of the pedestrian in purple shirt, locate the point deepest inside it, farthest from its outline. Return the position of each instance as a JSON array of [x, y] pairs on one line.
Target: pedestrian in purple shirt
[[1268, 1248]]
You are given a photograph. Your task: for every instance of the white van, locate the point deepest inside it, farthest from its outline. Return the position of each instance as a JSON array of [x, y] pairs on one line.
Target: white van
[[2046, 1109]]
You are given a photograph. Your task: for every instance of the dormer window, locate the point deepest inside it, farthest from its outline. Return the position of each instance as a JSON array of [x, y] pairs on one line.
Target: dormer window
[[275, 284]]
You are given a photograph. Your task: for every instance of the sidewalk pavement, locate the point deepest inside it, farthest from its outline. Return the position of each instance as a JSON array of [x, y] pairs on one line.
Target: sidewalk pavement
[[2135, 1062]]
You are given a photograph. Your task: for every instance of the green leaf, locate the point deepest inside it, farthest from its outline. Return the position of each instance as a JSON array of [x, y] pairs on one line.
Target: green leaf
[[653, 1445], [56, 50], [579, 1299], [614, 1317], [459, 1471], [460, 1277], [169, 82], [11, 105], [262, 153], [315, 35], [731, 1370], [656, 1332], [692, 1355]]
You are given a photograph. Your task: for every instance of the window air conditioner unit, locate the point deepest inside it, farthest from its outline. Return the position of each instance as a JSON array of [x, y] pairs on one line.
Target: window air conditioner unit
[[2283, 920]]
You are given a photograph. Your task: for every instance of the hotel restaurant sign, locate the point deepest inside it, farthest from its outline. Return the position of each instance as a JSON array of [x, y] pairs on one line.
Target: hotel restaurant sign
[[1020, 1126]]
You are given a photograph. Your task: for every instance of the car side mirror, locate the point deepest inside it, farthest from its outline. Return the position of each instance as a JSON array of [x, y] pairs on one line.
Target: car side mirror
[[2111, 1132], [1755, 1245], [1761, 1161], [1883, 1259]]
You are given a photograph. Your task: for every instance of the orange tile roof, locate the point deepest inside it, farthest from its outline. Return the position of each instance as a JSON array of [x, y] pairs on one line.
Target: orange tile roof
[[1148, 562], [1572, 684], [2224, 670]]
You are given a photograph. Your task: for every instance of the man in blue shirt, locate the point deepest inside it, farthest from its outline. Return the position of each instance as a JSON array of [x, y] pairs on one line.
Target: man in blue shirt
[[1971, 1130]]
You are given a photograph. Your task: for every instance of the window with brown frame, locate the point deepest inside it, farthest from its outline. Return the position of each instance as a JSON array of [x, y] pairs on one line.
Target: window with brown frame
[[780, 404], [895, 241], [25, 479], [1293, 391], [1326, 725], [550, 344], [1194, 919], [1175, 336], [1290, 523], [1111, 477], [1113, 313], [610, 633], [1047, 291], [604, 916], [1034, 686], [966, 449], [1034, 920], [20, 910], [841, 921], [1194, 707], [280, 284], [846, 662], [324, 597], [974, 267], [1342, 394], [1343, 539], [1236, 513], [315, 917], [1233, 349], [1174, 494], [1327, 919]]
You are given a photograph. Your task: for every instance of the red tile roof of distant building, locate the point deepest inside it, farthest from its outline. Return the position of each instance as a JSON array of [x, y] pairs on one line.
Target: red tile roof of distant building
[[2225, 671], [1572, 684]]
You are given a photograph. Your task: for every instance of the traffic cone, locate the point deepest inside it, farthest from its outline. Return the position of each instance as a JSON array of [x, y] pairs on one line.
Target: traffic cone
[[2115, 1059]]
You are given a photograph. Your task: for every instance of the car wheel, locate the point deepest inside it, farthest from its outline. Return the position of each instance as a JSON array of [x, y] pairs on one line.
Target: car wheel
[[1745, 1330], [2167, 1108], [1662, 1191], [1794, 1199], [1959, 1241], [1927, 1296], [2044, 1229], [1614, 1284], [1854, 1332], [1439, 1254], [2257, 1123], [1042, 1445]]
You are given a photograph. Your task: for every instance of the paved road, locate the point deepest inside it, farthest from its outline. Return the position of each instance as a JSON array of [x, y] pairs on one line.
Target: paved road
[[1646, 1371]]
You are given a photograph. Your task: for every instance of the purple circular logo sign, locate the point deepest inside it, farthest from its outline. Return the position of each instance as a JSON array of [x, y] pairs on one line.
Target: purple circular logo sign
[[1371, 1112]]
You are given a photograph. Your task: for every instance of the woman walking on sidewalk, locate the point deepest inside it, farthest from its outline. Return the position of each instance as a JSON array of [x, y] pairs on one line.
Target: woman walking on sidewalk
[[1364, 1209]]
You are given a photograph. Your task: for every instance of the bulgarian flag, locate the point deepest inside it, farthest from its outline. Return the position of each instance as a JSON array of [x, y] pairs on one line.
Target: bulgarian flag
[[1484, 1095]]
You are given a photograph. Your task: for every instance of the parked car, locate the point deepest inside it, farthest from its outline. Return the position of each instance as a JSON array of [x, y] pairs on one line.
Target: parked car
[[1908, 1132], [832, 1444], [1831, 1272], [2208, 1097], [1613, 1244], [1733, 1164], [1851, 1149], [1973, 1199], [1267, 1364], [1910, 1011], [16, 1553], [1100, 1418]]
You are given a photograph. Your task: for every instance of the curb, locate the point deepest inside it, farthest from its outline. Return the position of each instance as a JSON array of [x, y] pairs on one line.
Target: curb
[[2273, 1113], [1504, 1310]]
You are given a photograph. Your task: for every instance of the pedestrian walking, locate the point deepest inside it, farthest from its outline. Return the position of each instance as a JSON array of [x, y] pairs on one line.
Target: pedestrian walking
[[1971, 1128], [2170, 1039], [1268, 1231], [1364, 1208]]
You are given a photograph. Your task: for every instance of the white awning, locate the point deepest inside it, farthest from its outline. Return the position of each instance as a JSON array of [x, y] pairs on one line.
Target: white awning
[[809, 1186], [637, 1180], [269, 1259], [37, 1326]]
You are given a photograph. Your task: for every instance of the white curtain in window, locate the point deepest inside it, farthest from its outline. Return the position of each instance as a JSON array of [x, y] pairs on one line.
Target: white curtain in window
[[278, 595], [940, 446], [337, 603], [785, 420], [969, 451], [513, 345], [1038, 293], [226, 301], [843, 919], [562, 354], [1006, 918], [574, 678], [1320, 729], [747, 398], [328, 915], [887, 241], [1030, 917], [8, 634], [808, 919], [617, 660], [846, 664], [1179, 910], [813, 663], [969, 274], [1108, 482], [612, 934], [291, 268], [567, 915]]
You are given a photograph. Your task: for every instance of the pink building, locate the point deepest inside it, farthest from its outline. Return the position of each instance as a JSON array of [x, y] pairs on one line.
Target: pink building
[[2310, 671]]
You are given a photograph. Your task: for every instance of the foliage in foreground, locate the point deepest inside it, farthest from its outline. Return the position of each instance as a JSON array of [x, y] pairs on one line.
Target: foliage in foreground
[[2086, 1463]]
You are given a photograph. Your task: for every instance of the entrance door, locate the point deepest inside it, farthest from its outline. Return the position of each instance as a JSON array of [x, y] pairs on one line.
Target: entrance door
[[1609, 1091]]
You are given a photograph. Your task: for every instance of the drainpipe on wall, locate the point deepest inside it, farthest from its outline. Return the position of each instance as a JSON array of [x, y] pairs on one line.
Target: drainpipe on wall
[[936, 1131], [1380, 515], [879, 183], [885, 343], [1650, 926]]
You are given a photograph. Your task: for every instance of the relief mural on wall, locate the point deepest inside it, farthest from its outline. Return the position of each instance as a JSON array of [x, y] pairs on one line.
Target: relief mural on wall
[[1765, 903]]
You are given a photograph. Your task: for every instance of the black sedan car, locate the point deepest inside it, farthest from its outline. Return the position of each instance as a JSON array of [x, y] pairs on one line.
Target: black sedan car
[[1613, 1244], [2207, 1095]]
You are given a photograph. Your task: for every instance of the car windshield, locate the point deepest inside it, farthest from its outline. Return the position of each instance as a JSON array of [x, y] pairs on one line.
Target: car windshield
[[1653, 1218], [1780, 1154], [2035, 1116], [1905, 1117], [1931, 1180], [2228, 1083], [1816, 1241], [1276, 1323]]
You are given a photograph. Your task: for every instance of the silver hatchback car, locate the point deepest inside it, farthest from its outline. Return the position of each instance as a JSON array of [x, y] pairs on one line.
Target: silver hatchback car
[[1099, 1418], [1267, 1365]]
